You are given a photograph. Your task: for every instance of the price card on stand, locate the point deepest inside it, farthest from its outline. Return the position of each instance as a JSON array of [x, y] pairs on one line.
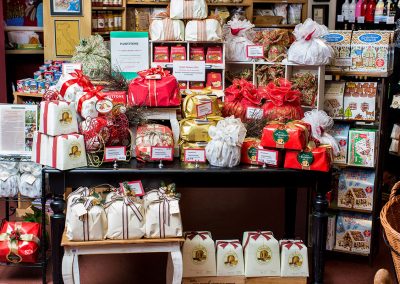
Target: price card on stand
[[195, 155], [204, 109], [161, 153], [255, 51], [194, 71], [135, 186], [115, 153], [254, 113], [70, 67], [267, 157]]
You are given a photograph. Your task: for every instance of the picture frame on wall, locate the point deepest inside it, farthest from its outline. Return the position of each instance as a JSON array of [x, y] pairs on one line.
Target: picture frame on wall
[[66, 36], [320, 14], [66, 7]]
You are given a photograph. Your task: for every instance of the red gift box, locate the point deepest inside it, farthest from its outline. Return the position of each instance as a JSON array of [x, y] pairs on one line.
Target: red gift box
[[249, 151], [154, 87], [293, 135], [19, 242], [317, 159]]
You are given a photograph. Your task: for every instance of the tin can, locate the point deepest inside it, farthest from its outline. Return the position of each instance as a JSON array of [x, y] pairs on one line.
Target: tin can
[[48, 62], [49, 76], [47, 85], [33, 86], [37, 75], [20, 85], [41, 86], [27, 85], [57, 76], [43, 68]]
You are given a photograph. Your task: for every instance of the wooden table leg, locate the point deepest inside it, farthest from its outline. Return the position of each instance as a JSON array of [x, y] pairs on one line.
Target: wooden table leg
[[174, 267], [67, 267]]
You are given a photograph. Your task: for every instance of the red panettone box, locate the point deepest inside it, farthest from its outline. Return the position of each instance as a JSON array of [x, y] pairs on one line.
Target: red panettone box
[[317, 159], [249, 151], [293, 135], [19, 242]]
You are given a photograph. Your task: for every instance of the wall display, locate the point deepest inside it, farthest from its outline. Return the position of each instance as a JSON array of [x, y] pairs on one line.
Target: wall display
[[320, 14], [66, 34], [359, 101], [333, 103], [362, 147], [66, 7]]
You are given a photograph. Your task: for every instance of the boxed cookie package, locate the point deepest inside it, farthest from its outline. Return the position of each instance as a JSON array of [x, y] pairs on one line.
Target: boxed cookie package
[[341, 134], [333, 103], [362, 147], [340, 42], [359, 101]]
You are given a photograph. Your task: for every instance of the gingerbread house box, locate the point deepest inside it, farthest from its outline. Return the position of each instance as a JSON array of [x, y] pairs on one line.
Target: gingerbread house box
[[340, 41], [353, 233], [333, 102], [362, 147], [359, 101], [341, 134], [356, 189], [372, 51]]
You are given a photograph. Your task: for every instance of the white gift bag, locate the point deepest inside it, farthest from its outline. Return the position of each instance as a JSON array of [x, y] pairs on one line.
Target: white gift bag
[[57, 118], [125, 217], [198, 254], [31, 179], [86, 220], [227, 137], [237, 36], [188, 9], [163, 217], [294, 258], [229, 258], [66, 152], [167, 29], [70, 84], [309, 47], [205, 30], [9, 179], [261, 254]]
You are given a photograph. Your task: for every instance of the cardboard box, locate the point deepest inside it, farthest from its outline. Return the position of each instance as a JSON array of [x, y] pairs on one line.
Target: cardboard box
[[341, 134], [333, 102], [362, 147], [360, 101], [330, 232], [340, 41]]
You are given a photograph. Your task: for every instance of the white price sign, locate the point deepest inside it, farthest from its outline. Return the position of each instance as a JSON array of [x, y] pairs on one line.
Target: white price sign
[[254, 113], [343, 62], [159, 153], [361, 20], [135, 186], [194, 71], [255, 51], [70, 67], [340, 18], [268, 157], [204, 109], [113, 153], [195, 156]]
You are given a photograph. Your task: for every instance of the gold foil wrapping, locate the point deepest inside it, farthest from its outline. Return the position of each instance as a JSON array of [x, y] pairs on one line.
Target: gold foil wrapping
[[196, 130], [191, 101], [190, 145]]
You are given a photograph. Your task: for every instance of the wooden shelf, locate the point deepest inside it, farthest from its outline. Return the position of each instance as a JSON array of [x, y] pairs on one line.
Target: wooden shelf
[[31, 95], [23, 28], [274, 26], [394, 154], [348, 252], [230, 4], [108, 8], [147, 3], [335, 208], [361, 74], [280, 1], [244, 280], [25, 51]]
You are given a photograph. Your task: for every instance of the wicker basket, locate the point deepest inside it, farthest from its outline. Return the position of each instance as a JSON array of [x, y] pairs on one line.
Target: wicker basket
[[390, 220]]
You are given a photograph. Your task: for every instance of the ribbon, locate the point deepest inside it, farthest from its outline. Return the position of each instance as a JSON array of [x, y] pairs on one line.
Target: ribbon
[[90, 93], [201, 31], [79, 79], [188, 7], [191, 235], [242, 89], [88, 203], [288, 244], [55, 145], [236, 31], [281, 93], [154, 71], [38, 147], [255, 235], [13, 238], [223, 244], [168, 29], [309, 36]]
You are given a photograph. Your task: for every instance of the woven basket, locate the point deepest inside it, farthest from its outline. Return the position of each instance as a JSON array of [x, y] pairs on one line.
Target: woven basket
[[390, 220]]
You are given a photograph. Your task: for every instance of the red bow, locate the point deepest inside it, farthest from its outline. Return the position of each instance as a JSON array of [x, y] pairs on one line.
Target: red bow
[[236, 31], [90, 93], [242, 89], [288, 244], [309, 36], [154, 71], [191, 235], [79, 79], [255, 235], [280, 92], [223, 244]]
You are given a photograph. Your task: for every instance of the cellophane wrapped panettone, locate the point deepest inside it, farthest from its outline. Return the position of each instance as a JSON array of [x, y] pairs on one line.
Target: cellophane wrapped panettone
[[275, 43], [283, 103], [94, 56]]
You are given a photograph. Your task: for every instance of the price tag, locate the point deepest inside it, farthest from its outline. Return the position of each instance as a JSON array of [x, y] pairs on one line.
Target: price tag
[[70, 67], [160, 153], [135, 186], [340, 18], [390, 20], [112, 153], [255, 51], [361, 20], [268, 157], [30, 179], [376, 20], [204, 109], [254, 113], [352, 19], [195, 156], [174, 207]]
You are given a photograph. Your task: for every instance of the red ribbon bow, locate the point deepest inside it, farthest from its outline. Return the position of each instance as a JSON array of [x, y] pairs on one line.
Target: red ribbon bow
[[191, 235], [280, 92], [154, 71], [79, 79], [309, 36], [255, 235], [288, 244], [242, 89], [236, 31], [223, 244], [90, 93]]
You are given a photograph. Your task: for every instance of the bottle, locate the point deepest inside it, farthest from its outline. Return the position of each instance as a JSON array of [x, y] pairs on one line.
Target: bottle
[[345, 10], [100, 22], [370, 12], [379, 11], [352, 11], [358, 8], [364, 7], [390, 9], [110, 21], [94, 22]]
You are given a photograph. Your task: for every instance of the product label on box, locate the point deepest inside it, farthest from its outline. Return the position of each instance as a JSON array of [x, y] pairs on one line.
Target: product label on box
[[159, 153], [255, 51], [113, 153], [254, 113], [104, 106], [30, 179], [135, 186], [281, 136], [343, 62], [194, 71], [204, 109], [268, 157], [305, 159], [195, 155]]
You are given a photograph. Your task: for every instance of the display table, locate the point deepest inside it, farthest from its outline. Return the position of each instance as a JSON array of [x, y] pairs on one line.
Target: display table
[[205, 176]]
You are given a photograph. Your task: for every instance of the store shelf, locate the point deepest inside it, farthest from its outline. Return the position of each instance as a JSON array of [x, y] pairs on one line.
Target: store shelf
[[101, 33], [347, 252], [209, 66], [230, 4], [275, 26], [280, 1], [360, 74], [31, 95], [24, 51], [333, 207], [394, 154], [147, 3], [23, 28], [108, 8]]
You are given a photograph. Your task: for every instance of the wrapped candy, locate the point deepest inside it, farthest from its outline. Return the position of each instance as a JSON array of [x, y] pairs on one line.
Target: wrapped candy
[[167, 30], [125, 217], [151, 135], [70, 84], [194, 100], [226, 140], [320, 124], [283, 102], [315, 159], [31, 179], [239, 98], [307, 84], [309, 47], [187, 10], [204, 30], [294, 258], [229, 258], [275, 43], [163, 217], [196, 130], [9, 179], [95, 131], [267, 73], [57, 118], [154, 87], [19, 242], [238, 37]]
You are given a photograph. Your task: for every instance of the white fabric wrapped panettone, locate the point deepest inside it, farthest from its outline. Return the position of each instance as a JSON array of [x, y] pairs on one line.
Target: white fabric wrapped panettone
[[205, 30], [188, 9], [167, 30], [9, 179], [309, 47], [226, 140], [237, 38]]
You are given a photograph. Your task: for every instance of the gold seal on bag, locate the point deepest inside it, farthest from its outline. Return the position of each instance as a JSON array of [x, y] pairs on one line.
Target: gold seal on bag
[[196, 130], [199, 97]]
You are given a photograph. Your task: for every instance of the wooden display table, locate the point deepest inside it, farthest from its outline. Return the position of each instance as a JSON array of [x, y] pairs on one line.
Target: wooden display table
[[70, 263], [244, 280]]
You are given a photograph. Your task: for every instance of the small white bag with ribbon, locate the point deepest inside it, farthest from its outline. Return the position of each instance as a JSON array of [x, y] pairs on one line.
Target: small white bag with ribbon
[[9, 179], [229, 258], [167, 30], [238, 36], [70, 84], [31, 179]]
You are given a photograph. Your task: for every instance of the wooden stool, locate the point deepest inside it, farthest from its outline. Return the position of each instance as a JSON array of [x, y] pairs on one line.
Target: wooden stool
[[70, 263]]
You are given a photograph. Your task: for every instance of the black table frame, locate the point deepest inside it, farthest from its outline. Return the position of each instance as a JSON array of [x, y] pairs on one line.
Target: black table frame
[[242, 176]]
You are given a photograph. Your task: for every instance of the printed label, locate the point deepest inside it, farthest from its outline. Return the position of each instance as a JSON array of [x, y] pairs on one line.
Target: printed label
[[195, 155], [268, 157], [264, 254], [134, 186], [199, 255], [305, 159], [113, 153], [230, 259], [204, 109], [161, 153], [295, 261], [104, 106], [281, 136], [65, 117], [255, 51], [75, 151], [254, 113]]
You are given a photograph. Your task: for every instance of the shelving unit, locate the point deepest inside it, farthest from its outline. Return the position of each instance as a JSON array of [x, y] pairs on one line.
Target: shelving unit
[[114, 10], [25, 51], [20, 97], [23, 28]]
